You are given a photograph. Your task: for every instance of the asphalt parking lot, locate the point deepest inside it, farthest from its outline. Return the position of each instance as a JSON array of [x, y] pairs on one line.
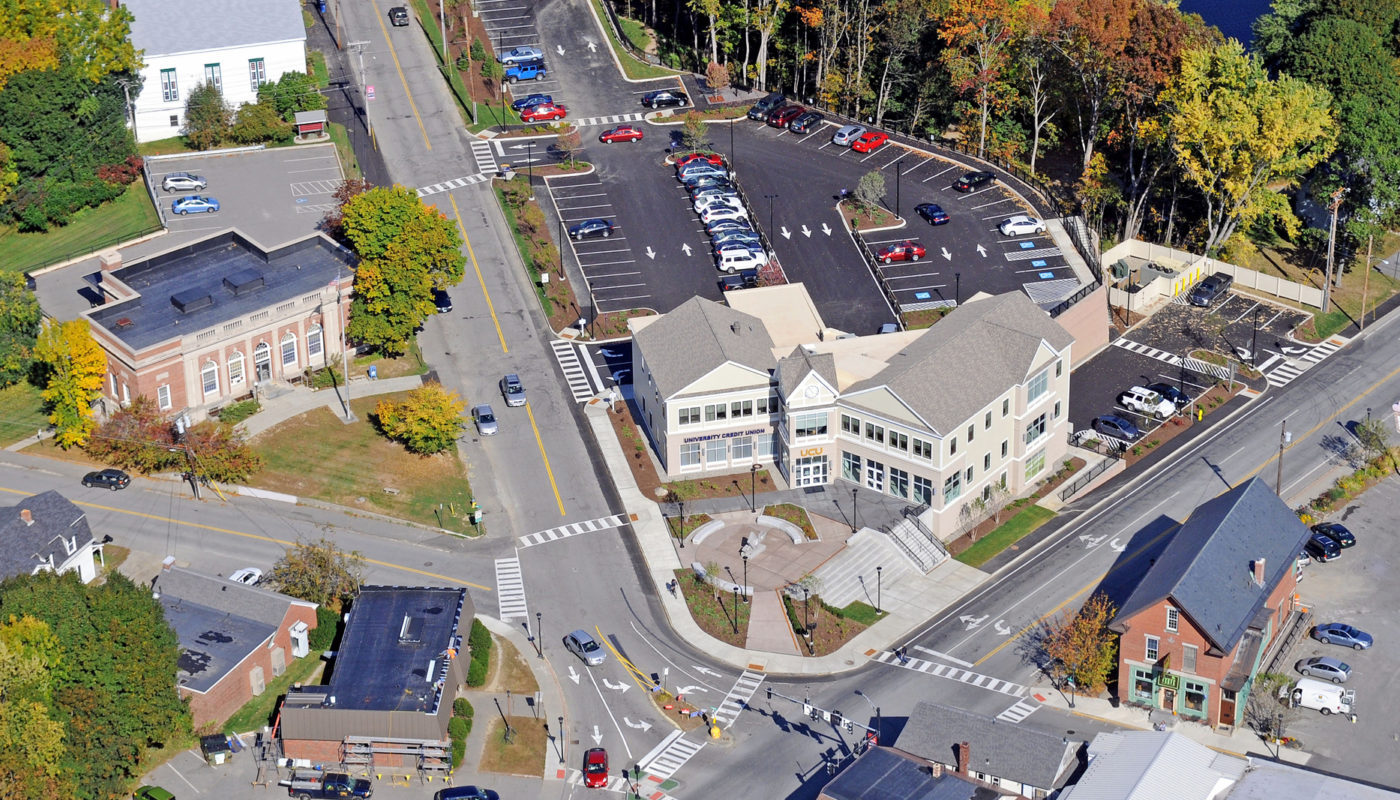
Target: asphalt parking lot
[[1357, 589], [1096, 385]]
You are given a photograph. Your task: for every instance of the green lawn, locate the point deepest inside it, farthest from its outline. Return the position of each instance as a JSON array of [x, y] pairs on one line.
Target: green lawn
[[345, 151], [21, 413], [490, 115], [165, 147], [864, 613], [318, 455], [635, 32], [92, 229], [633, 68], [1006, 535], [258, 712], [318, 67]]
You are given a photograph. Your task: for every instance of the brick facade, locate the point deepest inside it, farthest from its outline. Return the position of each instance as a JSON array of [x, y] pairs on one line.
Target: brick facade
[[211, 708]]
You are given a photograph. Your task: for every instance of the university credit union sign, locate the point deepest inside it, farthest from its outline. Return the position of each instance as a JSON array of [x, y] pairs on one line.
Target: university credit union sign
[[729, 435]]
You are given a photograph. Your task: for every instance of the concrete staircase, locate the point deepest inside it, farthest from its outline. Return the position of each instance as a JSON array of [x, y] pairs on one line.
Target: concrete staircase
[[851, 574]]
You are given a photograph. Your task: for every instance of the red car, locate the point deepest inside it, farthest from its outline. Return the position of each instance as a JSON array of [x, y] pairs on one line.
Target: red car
[[713, 158], [784, 115], [903, 251], [544, 112], [622, 133], [595, 768], [869, 141]]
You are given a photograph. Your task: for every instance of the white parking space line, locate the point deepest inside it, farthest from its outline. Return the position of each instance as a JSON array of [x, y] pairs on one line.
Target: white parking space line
[[873, 153], [891, 241], [894, 160], [950, 168], [585, 208], [994, 202], [922, 162], [619, 250], [610, 263]]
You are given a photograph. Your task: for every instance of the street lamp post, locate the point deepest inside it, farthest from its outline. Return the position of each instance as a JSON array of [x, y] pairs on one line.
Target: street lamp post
[[681, 503], [957, 288], [530, 167], [736, 610], [806, 619], [770, 214], [753, 488], [898, 168], [539, 631], [1284, 438], [561, 739], [855, 511], [878, 574], [745, 556], [1254, 343], [732, 168]]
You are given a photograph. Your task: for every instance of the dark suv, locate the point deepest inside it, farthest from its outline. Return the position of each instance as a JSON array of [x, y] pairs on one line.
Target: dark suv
[[973, 181], [113, 479], [1211, 288], [1322, 547], [766, 106]]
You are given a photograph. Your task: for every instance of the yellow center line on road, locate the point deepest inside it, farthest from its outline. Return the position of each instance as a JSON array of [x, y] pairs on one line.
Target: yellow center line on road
[[408, 93], [480, 279], [1099, 578], [540, 442], [256, 536]]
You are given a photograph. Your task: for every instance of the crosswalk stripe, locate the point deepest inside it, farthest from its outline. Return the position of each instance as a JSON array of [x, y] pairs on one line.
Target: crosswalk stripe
[[566, 353], [1018, 711], [736, 701], [670, 756], [609, 120], [510, 589], [574, 529], [940, 670]]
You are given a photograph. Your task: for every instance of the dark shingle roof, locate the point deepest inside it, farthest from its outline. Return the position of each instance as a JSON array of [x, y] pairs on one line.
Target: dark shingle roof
[[799, 363], [1005, 750], [1206, 568], [699, 336], [160, 30], [24, 546], [935, 375], [882, 774]]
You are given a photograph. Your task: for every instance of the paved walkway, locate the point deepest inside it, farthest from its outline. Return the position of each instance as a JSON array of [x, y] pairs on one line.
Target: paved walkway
[[301, 399]]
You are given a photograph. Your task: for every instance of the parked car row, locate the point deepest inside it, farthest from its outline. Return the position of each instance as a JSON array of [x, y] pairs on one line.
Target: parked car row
[[738, 249], [1157, 401]]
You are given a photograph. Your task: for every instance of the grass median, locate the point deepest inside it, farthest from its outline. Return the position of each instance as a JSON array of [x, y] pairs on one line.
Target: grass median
[[1013, 531]]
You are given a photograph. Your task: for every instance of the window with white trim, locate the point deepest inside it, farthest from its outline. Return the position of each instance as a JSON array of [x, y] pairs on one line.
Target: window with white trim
[[1188, 658], [289, 349], [716, 451], [690, 415], [875, 433], [1173, 617], [1035, 430], [214, 74], [169, 86], [875, 475], [850, 424], [163, 397], [899, 441], [690, 454], [1153, 643], [235, 368], [810, 426], [923, 490], [765, 445], [209, 377], [971, 431], [1038, 386], [716, 412], [1005, 406], [1142, 684], [953, 446], [313, 342], [952, 487], [1194, 698], [987, 462], [741, 408], [1035, 465], [899, 483], [850, 466], [742, 448], [923, 449]]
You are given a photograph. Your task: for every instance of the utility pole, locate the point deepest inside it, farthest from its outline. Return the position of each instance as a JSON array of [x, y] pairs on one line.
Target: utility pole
[[1366, 279], [1284, 438], [364, 85], [130, 112], [1331, 247]]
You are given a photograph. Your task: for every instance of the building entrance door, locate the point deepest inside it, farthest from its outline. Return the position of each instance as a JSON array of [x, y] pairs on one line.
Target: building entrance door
[[810, 471], [1168, 699], [262, 363]]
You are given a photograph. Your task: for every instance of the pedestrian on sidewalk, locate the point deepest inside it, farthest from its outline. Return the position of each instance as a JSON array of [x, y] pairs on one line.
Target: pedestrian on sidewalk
[[671, 587]]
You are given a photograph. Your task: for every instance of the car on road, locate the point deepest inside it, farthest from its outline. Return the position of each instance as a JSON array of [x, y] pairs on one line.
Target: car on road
[[513, 390], [442, 300], [932, 213], [248, 576], [901, 251], [194, 204], [765, 106], [740, 261], [595, 768], [870, 140], [466, 793], [582, 644], [544, 112], [1323, 548], [1147, 402], [1116, 427], [1208, 290], [1021, 225], [622, 133], [113, 479], [517, 55], [782, 116], [847, 134], [183, 182], [713, 159], [721, 213], [807, 122], [1337, 532], [1327, 667], [972, 181], [744, 279], [485, 419], [532, 100], [663, 98], [398, 16], [1179, 398], [590, 228], [1342, 634], [526, 71]]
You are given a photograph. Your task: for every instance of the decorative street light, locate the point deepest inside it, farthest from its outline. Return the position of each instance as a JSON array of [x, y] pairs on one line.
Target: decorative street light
[[530, 166], [753, 488], [745, 556], [539, 631], [878, 573], [855, 513], [770, 197], [1284, 438], [898, 167], [957, 291]]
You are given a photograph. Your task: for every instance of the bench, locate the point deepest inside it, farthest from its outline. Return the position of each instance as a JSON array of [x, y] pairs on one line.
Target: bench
[[796, 534], [724, 586], [698, 535]]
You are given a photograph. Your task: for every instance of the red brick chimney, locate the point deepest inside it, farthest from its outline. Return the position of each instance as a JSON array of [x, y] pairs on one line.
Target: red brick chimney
[[1257, 567], [109, 260], [964, 757], [26, 517]]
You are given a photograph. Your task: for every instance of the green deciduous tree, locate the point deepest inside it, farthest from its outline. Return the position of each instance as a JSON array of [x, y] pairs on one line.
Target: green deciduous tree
[[428, 421], [92, 36], [293, 92], [72, 367], [319, 572], [978, 36], [1082, 643], [1236, 135], [115, 689], [208, 118], [695, 132], [870, 190], [20, 321], [31, 739], [140, 438], [407, 250], [258, 122]]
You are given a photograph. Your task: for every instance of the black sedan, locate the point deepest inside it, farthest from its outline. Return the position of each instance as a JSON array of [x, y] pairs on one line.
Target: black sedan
[[530, 100], [590, 228], [1337, 532], [113, 479], [1179, 398], [665, 98], [972, 181], [932, 213]]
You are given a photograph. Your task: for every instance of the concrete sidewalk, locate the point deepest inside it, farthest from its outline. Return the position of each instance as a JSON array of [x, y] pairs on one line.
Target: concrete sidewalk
[[301, 399]]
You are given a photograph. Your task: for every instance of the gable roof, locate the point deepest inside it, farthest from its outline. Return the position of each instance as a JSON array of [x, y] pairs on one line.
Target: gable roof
[[1150, 765], [697, 337], [794, 367], [885, 774], [968, 359], [1005, 750], [160, 29], [1206, 568], [53, 520]]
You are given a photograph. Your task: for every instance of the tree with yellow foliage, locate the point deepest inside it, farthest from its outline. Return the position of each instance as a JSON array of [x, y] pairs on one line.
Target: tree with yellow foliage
[[72, 366]]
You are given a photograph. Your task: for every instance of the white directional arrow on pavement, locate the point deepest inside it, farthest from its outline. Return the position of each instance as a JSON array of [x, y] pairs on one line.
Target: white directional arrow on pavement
[[947, 255], [982, 251], [650, 253], [1004, 630], [686, 248], [611, 353], [597, 737], [971, 621], [1117, 546], [560, 48], [704, 670], [1091, 542], [592, 48], [573, 676], [616, 687], [786, 233], [826, 229], [644, 725], [689, 689], [521, 146], [806, 232]]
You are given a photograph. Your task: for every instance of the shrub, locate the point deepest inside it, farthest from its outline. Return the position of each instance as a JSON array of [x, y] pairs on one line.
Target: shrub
[[259, 122], [327, 626], [479, 640], [234, 413], [122, 173], [459, 728], [530, 219], [461, 707], [793, 619], [476, 674]]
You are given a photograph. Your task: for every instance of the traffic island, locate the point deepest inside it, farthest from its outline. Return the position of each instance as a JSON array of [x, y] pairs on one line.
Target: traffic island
[[723, 616], [516, 746]]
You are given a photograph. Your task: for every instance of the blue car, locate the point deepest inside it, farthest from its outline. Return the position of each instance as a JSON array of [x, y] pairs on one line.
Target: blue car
[[932, 213], [194, 204], [531, 100], [1116, 427], [1342, 634]]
